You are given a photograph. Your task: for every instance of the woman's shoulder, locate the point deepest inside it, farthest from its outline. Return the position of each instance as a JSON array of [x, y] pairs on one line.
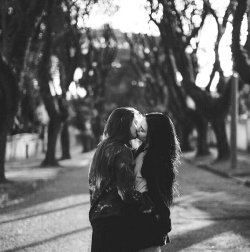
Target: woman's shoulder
[[123, 149], [116, 147]]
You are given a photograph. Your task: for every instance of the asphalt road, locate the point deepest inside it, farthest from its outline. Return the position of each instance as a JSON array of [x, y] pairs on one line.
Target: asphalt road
[[211, 214]]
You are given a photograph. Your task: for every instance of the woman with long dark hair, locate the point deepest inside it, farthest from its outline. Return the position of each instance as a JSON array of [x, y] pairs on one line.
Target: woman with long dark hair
[[112, 185], [156, 168]]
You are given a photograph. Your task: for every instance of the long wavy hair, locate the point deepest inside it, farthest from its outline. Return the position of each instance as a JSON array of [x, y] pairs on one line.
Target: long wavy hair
[[118, 124], [162, 156], [117, 129]]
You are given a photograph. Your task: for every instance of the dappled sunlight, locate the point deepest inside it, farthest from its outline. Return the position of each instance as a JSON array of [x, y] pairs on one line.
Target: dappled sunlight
[[53, 220], [75, 163], [77, 239], [79, 160], [186, 218], [32, 175], [209, 218], [217, 243], [63, 74], [184, 228], [198, 230], [48, 206], [204, 205], [226, 237], [209, 197]]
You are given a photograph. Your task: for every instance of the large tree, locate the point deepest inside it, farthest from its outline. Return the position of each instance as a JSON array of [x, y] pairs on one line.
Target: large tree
[[18, 21], [149, 62], [44, 78], [100, 52], [177, 29], [240, 53], [61, 55]]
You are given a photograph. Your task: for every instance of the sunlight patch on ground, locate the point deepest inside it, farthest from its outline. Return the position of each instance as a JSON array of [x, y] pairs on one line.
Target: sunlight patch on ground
[[53, 205], [210, 197], [81, 160], [79, 241], [232, 241], [76, 163], [187, 226], [46, 223], [35, 174]]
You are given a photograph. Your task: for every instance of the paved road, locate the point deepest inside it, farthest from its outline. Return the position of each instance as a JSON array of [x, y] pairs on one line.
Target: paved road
[[212, 214]]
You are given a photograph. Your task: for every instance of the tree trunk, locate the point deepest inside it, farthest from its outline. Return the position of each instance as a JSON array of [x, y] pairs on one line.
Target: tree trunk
[[9, 94], [53, 131], [65, 141], [240, 55], [202, 146], [96, 126], [184, 134], [3, 139], [185, 140], [44, 77], [219, 128], [201, 125]]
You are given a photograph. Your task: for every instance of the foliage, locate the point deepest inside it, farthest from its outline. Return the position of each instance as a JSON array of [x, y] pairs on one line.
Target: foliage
[[180, 25]]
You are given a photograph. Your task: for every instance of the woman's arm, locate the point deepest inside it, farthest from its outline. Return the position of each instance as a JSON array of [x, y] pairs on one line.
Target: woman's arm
[[140, 182], [125, 177]]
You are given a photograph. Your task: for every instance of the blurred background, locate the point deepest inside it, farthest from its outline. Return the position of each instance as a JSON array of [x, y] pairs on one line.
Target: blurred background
[[66, 64]]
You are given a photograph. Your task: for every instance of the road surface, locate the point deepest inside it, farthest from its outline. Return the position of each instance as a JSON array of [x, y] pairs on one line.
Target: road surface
[[211, 214]]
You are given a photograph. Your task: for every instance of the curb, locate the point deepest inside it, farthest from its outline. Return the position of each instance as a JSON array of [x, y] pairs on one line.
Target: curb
[[207, 167]]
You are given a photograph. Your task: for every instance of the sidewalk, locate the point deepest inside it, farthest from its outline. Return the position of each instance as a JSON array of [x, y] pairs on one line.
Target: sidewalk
[[223, 168], [27, 176]]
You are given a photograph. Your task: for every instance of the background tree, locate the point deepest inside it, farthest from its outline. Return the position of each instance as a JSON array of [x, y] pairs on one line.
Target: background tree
[[17, 25], [148, 59], [177, 28], [241, 53], [47, 53], [68, 51], [60, 42], [100, 52]]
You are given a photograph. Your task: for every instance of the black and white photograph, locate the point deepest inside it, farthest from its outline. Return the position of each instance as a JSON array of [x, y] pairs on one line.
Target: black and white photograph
[[124, 125]]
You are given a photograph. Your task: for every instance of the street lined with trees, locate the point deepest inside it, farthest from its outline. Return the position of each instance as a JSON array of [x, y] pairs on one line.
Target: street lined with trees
[[55, 218], [44, 44], [59, 80]]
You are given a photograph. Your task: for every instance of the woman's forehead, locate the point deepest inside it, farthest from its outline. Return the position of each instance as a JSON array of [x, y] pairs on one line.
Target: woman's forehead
[[141, 120], [138, 116]]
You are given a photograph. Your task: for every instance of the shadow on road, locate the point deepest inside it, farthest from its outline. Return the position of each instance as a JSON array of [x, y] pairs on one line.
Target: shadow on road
[[45, 212], [213, 214], [208, 236], [72, 180], [21, 248]]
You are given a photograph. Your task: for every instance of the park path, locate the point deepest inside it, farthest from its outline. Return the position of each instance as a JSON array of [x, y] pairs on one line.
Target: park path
[[212, 213]]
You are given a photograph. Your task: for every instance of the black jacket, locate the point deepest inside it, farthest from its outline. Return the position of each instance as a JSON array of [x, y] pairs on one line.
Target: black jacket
[[161, 209], [112, 191]]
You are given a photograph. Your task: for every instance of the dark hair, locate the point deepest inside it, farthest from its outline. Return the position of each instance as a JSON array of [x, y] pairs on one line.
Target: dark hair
[[117, 129], [118, 124], [163, 155]]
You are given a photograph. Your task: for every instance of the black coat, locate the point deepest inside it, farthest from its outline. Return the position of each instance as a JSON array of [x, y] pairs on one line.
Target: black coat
[[112, 183], [153, 228]]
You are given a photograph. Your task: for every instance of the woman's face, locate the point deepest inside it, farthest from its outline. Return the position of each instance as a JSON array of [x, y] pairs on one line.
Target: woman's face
[[142, 130], [134, 126]]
